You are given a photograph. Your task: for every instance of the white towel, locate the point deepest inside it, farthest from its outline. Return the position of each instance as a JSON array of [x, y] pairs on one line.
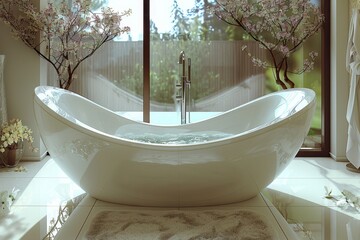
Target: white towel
[[352, 114]]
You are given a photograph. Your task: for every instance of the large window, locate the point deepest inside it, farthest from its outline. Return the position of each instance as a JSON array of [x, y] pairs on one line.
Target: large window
[[138, 73], [222, 77]]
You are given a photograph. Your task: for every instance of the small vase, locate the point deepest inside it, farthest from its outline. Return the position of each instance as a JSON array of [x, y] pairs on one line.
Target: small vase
[[12, 156]]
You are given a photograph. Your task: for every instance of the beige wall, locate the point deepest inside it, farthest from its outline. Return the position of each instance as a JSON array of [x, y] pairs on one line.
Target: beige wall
[[340, 15], [339, 77], [21, 76]]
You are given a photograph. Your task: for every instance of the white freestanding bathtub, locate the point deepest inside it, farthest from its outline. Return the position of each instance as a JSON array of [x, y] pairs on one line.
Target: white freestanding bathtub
[[223, 159]]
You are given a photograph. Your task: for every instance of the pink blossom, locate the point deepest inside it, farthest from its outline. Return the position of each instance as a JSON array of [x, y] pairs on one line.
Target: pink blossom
[[69, 34], [279, 26]]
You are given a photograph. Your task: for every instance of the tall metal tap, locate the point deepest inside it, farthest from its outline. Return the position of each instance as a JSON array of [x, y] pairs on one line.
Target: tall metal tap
[[185, 78]]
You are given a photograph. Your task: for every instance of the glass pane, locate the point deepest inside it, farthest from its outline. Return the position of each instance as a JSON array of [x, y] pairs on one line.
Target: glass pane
[[113, 76], [312, 80], [222, 76]]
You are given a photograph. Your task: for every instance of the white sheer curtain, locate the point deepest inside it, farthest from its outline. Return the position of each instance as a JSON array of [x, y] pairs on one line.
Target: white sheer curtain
[[3, 112]]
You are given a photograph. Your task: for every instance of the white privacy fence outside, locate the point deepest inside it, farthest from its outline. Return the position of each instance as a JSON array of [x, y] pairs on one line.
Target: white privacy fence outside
[[223, 76]]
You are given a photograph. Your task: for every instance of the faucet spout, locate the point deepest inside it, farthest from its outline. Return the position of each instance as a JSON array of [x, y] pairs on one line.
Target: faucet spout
[[181, 57]]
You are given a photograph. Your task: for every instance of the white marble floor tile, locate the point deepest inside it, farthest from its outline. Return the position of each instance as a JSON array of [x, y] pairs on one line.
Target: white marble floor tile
[[43, 187], [30, 169], [42, 191], [313, 190], [299, 194], [77, 219], [316, 168]]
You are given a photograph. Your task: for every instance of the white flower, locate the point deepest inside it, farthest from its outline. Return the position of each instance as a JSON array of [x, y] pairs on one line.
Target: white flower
[[352, 199], [7, 200], [342, 203], [345, 201], [12, 133]]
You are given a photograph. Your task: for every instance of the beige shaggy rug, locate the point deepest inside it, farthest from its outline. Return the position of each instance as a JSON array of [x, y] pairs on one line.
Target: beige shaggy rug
[[179, 224]]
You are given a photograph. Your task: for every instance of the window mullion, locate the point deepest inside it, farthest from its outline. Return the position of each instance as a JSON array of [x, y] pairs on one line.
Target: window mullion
[[146, 62]]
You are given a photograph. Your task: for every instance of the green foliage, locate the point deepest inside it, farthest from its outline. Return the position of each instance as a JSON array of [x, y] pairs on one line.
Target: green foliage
[[310, 80], [165, 72], [133, 80]]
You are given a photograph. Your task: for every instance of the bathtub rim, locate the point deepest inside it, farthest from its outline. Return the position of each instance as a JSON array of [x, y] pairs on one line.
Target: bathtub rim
[[93, 132]]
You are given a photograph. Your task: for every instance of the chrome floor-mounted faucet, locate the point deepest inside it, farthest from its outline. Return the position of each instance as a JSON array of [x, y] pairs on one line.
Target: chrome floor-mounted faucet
[[184, 86]]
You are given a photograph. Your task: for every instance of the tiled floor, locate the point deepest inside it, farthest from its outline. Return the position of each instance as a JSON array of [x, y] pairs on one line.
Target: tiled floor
[[43, 187], [298, 194]]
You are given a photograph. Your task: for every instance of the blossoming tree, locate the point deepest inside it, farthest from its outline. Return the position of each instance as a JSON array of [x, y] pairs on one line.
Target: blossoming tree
[[65, 35], [279, 26]]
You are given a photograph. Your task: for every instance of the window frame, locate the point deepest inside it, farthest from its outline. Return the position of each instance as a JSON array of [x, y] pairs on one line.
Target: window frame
[[324, 151]]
